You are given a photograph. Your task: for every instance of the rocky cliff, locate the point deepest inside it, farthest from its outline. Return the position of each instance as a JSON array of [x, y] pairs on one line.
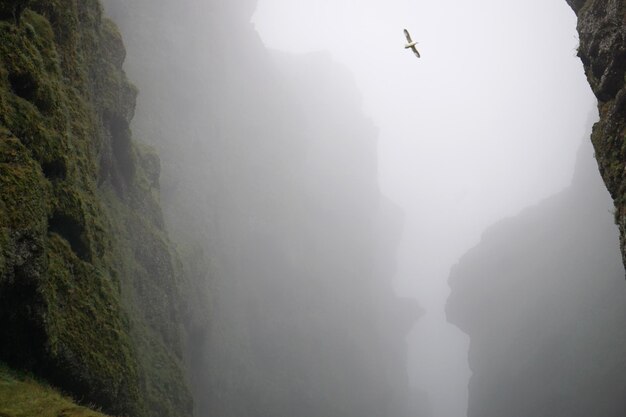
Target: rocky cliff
[[542, 298], [602, 33], [281, 303], [270, 189], [89, 287]]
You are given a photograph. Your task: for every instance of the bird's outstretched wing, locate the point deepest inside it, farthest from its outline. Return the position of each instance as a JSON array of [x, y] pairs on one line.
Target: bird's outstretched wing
[[416, 52], [408, 37]]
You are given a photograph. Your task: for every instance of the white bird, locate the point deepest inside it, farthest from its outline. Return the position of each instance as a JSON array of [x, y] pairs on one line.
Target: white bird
[[411, 44]]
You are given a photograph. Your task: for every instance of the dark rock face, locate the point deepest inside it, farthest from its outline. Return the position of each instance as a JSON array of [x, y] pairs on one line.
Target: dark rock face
[[542, 298], [88, 282], [602, 33]]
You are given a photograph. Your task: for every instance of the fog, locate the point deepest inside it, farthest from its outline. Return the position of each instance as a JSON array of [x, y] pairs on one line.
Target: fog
[[321, 183], [276, 208], [486, 123]]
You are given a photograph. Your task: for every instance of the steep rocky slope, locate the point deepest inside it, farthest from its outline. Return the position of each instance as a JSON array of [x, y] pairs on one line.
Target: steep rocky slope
[[88, 283], [543, 300], [602, 34], [270, 189]]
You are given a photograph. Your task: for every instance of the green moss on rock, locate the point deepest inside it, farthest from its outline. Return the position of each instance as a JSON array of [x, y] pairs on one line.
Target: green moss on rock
[[88, 283]]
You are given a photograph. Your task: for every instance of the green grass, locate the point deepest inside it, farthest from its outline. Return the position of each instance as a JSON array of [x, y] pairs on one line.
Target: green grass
[[23, 396]]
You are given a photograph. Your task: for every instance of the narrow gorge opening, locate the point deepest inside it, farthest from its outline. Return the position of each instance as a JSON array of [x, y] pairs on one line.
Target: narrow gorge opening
[[487, 123]]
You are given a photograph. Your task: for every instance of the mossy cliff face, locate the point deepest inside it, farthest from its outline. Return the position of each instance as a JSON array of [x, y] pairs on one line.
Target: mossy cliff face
[[602, 33], [87, 281]]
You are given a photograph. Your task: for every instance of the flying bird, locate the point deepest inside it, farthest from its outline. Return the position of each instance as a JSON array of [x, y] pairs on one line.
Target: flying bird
[[411, 44]]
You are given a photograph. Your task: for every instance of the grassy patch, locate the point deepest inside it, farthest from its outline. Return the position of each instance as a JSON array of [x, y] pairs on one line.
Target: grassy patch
[[23, 396]]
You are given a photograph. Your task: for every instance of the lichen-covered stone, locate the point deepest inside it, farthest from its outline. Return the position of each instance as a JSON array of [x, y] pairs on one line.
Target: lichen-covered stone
[[602, 33]]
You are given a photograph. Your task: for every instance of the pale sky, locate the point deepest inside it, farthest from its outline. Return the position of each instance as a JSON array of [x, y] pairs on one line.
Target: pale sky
[[486, 123]]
